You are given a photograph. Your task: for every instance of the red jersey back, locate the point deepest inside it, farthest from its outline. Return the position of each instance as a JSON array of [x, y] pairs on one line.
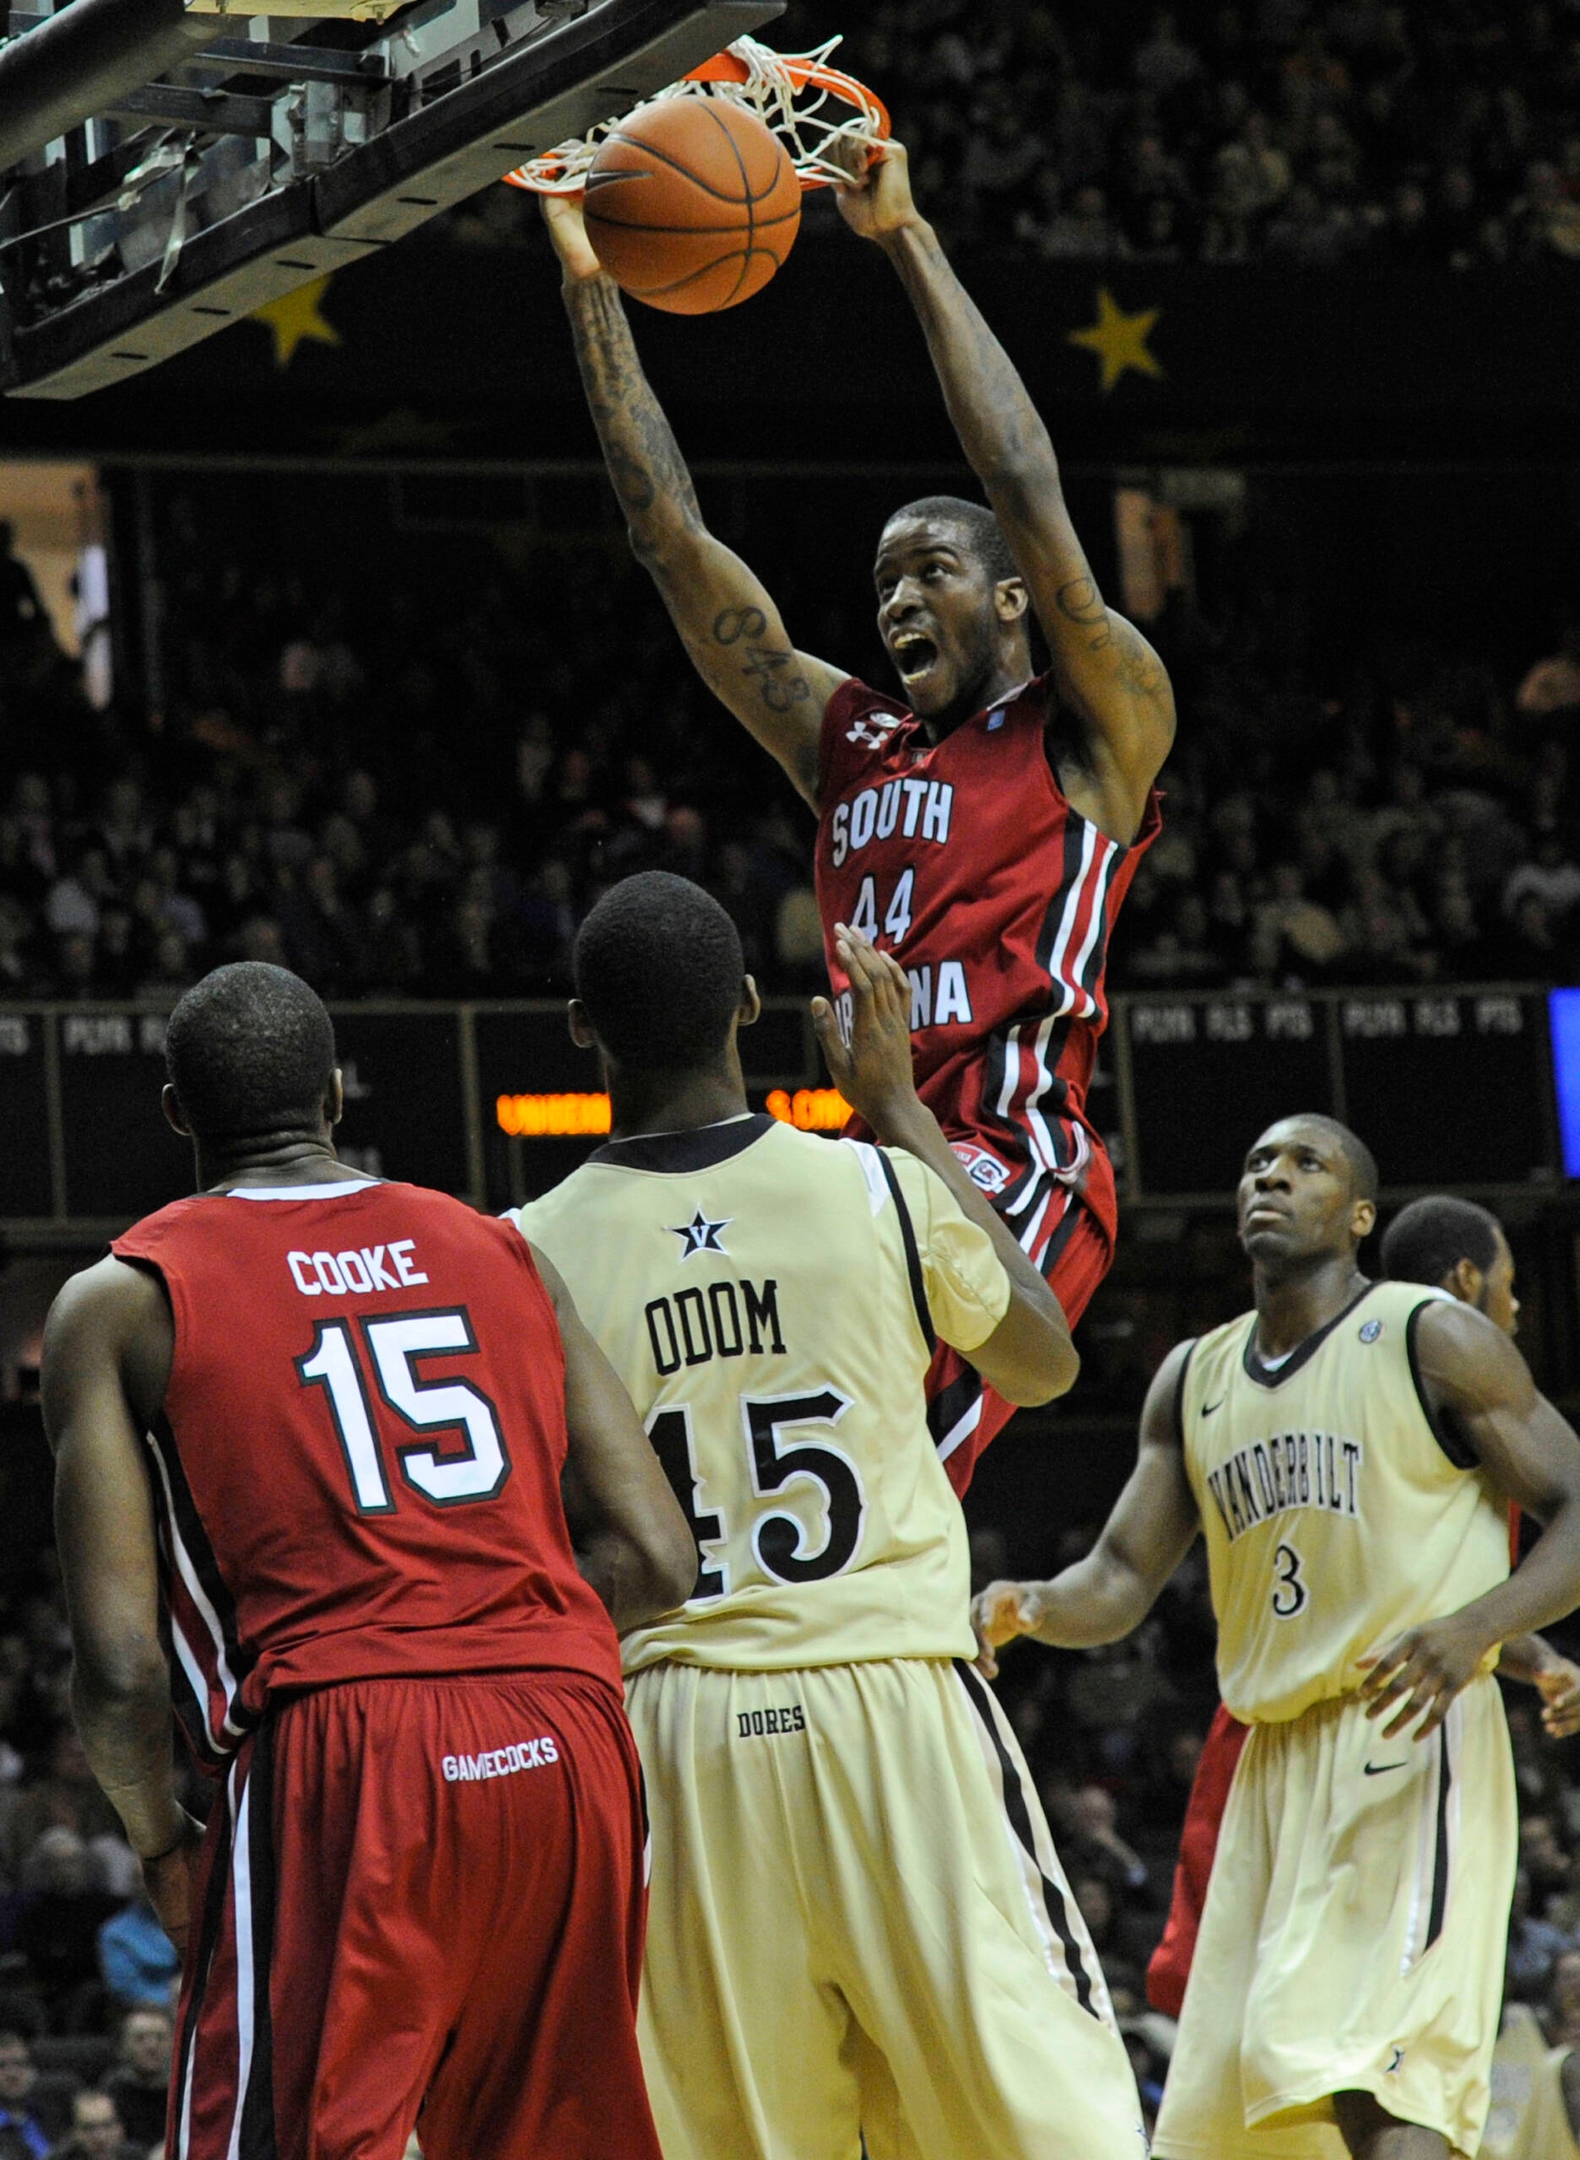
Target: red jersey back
[[966, 861], [358, 1460]]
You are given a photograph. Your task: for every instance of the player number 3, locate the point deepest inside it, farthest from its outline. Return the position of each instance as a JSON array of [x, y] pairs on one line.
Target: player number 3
[[1289, 1592]]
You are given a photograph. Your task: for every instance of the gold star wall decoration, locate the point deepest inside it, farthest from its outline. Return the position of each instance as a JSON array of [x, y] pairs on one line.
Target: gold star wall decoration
[[295, 316], [1119, 340]]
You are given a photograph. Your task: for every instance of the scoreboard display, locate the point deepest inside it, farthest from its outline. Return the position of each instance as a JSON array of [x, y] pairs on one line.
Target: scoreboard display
[[1449, 1088], [1452, 1088]]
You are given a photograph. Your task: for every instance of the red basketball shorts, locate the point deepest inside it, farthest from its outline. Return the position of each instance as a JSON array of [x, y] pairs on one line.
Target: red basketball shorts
[[423, 1907], [1209, 1796], [1073, 1252]]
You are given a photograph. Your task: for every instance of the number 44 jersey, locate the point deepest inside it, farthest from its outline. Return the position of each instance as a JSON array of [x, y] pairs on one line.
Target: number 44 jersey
[[357, 1465], [769, 1300]]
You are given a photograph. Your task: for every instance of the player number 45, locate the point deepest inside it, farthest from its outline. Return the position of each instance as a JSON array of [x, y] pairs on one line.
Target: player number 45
[[778, 1539], [393, 1348]]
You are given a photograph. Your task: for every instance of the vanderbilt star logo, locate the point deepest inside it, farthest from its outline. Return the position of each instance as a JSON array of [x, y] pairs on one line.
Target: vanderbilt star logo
[[699, 1235], [1117, 340]]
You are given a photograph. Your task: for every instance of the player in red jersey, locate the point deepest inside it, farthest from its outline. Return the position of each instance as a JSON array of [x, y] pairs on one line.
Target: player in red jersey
[[310, 1430], [984, 825]]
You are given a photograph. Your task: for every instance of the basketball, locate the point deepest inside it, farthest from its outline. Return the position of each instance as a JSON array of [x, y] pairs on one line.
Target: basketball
[[692, 205]]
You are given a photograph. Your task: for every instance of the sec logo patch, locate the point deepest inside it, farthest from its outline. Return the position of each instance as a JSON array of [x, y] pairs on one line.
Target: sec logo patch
[[1371, 1330]]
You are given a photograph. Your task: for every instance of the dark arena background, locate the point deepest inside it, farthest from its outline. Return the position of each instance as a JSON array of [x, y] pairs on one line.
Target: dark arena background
[[320, 642]]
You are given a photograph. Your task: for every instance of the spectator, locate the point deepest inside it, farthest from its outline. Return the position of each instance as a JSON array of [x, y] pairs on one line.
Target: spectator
[[140, 2080], [137, 1959], [58, 1925], [97, 2132], [17, 2078]]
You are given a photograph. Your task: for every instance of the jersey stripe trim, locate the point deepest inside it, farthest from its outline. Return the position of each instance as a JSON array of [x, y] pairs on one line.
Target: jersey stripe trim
[[195, 1570], [300, 1192], [1440, 1854], [955, 1411], [1018, 1813], [1446, 1430], [209, 1927], [241, 1912], [256, 2138], [913, 1259]]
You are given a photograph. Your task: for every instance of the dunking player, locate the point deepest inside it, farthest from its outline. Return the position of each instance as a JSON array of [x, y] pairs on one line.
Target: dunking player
[[1456, 1246], [857, 1919], [309, 1432], [1348, 1447], [985, 825]]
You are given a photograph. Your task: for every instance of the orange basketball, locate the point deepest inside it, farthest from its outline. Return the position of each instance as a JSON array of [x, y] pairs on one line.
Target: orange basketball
[[692, 204]]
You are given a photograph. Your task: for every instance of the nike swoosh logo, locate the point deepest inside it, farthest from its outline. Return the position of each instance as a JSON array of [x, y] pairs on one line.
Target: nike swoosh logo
[[1208, 1408], [1376, 1769]]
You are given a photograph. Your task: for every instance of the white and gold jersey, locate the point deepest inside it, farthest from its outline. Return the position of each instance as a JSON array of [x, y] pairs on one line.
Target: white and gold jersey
[[769, 1300], [1335, 1514]]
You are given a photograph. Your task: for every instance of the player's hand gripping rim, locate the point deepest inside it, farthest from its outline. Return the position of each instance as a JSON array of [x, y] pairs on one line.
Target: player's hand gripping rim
[[872, 1071], [875, 197], [1419, 1673], [568, 230]]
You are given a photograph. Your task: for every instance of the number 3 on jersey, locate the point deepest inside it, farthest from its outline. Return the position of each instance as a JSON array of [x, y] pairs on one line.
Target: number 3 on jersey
[[427, 1406], [1289, 1592], [897, 915]]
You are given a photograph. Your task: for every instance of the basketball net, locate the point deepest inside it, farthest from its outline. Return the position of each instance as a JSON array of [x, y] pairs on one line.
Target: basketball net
[[802, 99]]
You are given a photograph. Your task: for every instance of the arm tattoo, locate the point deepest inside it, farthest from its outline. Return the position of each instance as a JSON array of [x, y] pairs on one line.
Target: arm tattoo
[[766, 663], [639, 447], [1080, 602]]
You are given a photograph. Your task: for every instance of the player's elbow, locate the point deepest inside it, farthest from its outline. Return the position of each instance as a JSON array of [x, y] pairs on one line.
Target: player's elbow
[[668, 1560], [1045, 1381], [1029, 1359], [122, 1673]]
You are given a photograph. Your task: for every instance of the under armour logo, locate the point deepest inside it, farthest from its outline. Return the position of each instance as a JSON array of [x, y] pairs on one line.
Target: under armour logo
[[873, 737], [699, 1235]]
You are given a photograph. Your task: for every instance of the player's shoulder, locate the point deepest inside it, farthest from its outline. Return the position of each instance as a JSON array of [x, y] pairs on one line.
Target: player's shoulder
[[859, 727]]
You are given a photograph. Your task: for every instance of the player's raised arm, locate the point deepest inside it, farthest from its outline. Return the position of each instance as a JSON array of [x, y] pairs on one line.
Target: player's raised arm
[[629, 1535], [1106, 671], [1478, 1383], [107, 1325], [729, 624], [1103, 1597], [1029, 1356]]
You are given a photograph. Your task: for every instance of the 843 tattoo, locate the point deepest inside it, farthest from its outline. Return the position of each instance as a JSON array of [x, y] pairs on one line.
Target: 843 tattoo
[[777, 690]]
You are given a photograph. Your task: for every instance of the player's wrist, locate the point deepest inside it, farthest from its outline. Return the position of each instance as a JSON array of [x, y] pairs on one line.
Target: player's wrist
[[912, 232]]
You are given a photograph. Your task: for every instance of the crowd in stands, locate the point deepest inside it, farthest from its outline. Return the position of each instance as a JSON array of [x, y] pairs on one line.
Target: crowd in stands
[[1313, 131], [402, 795]]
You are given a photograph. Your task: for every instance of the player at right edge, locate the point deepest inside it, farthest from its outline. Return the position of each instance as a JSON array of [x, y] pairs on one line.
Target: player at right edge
[[1349, 1449]]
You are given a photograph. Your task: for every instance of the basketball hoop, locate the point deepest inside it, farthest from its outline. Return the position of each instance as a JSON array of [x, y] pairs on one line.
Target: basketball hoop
[[798, 95]]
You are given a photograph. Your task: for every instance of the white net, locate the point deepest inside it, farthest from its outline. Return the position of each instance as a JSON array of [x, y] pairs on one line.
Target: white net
[[806, 102]]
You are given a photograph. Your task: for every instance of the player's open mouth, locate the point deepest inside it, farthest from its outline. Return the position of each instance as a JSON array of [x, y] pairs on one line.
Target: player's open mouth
[[914, 656]]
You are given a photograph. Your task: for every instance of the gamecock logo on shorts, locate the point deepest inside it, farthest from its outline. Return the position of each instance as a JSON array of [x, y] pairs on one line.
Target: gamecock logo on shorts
[[980, 1167]]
